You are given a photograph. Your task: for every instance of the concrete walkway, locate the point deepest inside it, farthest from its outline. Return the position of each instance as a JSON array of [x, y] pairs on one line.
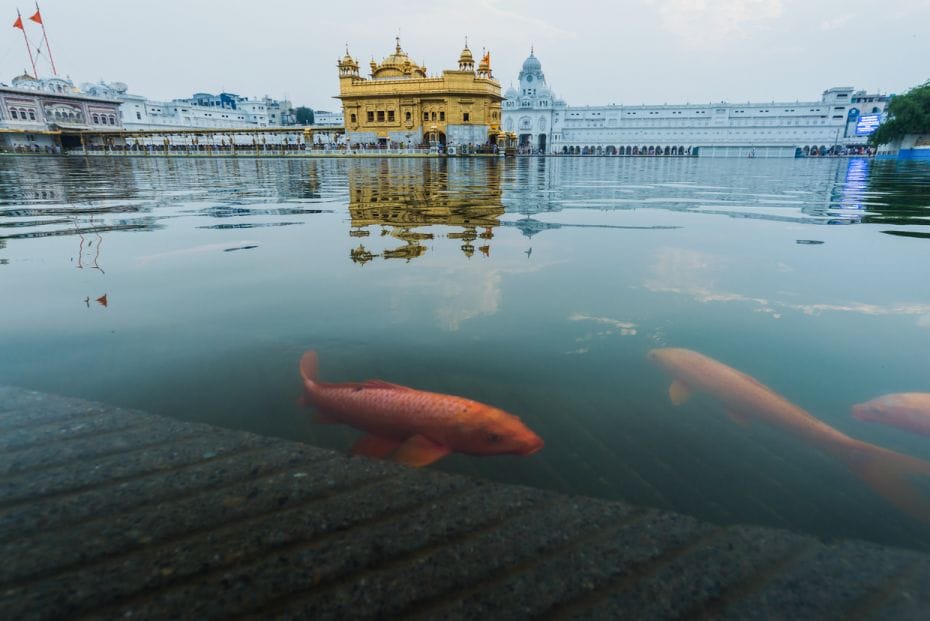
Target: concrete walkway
[[108, 513]]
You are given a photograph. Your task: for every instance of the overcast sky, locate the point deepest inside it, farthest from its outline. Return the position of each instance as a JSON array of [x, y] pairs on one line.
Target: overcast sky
[[625, 52]]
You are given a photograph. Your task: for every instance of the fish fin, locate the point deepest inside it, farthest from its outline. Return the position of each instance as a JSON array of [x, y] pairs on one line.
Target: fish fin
[[371, 445], [419, 451], [679, 392], [739, 418], [322, 418], [376, 383], [309, 366], [889, 474]]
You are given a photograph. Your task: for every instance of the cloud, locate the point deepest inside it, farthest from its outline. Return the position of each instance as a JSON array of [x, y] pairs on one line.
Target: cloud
[[709, 23]]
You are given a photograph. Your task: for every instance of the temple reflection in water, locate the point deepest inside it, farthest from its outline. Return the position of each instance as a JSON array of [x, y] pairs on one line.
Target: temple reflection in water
[[414, 201]]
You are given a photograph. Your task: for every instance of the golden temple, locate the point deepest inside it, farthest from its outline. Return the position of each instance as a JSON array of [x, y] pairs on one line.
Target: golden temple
[[401, 105]]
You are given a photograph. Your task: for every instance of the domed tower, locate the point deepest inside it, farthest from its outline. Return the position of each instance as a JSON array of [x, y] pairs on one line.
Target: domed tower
[[466, 60], [348, 66], [484, 67], [531, 75]]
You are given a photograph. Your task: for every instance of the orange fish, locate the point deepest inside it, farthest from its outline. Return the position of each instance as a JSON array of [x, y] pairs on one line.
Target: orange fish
[[885, 472], [909, 411], [102, 300], [415, 427]]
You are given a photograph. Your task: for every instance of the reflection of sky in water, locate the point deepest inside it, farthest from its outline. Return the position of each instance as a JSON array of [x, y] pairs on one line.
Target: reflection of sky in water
[[534, 284]]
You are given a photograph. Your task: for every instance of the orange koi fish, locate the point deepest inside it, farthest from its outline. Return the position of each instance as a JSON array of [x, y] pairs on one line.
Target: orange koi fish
[[909, 411], [412, 426], [886, 472]]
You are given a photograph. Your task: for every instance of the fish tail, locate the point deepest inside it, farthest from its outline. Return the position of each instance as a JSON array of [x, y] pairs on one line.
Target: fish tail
[[891, 475], [309, 369]]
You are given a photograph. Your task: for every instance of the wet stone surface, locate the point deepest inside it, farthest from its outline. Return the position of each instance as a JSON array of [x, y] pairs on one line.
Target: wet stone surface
[[107, 513]]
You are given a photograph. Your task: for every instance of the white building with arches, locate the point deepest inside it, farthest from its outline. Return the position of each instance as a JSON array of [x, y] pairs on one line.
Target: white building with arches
[[545, 124], [533, 110]]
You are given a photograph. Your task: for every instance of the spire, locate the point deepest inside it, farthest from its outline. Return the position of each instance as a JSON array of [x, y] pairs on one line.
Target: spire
[[397, 42]]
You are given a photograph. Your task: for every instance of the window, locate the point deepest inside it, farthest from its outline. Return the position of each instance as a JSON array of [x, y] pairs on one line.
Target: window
[[442, 116], [371, 116], [391, 115], [13, 114], [381, 116], [426, 116], [433, 116], [96, 119], [465, 117], [138, 116], [352, 117], [407, 116], [32, 115]]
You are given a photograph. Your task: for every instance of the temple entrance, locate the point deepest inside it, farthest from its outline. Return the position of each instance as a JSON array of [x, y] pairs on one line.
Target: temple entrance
[[434, 139], [542, 143], [525, 140]]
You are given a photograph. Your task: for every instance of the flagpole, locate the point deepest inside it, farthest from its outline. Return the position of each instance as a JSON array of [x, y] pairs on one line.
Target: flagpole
[[45, 36], [19, 21]]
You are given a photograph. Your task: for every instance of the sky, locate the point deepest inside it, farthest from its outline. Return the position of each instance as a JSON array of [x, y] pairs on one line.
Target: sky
[[592, 53]]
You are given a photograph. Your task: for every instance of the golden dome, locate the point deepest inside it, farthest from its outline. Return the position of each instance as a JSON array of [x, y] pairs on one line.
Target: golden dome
[[466, 56], [397, 65]]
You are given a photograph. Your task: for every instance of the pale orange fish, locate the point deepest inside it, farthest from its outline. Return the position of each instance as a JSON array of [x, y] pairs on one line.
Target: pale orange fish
[[884, 471], [412, 426], [909, 411]]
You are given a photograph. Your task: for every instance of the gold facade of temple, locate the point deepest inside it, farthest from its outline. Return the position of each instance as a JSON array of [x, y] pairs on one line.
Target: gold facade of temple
[[401, 105]]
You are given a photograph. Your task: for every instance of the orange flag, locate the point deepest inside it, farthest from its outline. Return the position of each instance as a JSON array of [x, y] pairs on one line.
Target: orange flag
[[19, 23], [37, 18]]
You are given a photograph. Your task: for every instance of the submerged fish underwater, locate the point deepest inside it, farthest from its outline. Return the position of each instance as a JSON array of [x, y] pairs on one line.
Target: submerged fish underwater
[[886, 472], [414, 427], [909, 411]]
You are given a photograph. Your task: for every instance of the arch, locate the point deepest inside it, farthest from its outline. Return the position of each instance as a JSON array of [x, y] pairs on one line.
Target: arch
[[96, 118], [629, 150], [13, 113], [674, 150], [668, 151], [651, 150], [807, 150], [564, 150], [681, 150], [875, 110]]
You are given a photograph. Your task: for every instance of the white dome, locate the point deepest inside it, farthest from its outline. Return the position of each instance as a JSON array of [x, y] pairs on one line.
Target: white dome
[[511, 93], [531, 64]]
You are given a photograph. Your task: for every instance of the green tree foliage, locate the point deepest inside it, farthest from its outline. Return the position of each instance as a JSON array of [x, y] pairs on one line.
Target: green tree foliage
[[304, 115], [907, 114]]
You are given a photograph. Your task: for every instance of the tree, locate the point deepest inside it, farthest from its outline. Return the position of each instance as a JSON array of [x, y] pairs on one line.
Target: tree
[[304, 115], [907, 114]]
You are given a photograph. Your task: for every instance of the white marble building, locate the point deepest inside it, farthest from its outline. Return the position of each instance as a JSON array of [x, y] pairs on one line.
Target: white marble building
[[226, 111], [545, 124]]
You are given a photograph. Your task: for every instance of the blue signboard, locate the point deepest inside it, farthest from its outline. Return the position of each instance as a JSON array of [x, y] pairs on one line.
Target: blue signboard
[[867, 124]]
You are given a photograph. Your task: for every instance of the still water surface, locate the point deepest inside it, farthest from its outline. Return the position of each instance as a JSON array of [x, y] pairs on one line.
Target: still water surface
[[537, 285]]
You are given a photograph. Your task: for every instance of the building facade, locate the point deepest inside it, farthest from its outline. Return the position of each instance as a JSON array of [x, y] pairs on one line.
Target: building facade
[[399, 104], [202, 110], [545, 124], [325, 118], [34, 113]]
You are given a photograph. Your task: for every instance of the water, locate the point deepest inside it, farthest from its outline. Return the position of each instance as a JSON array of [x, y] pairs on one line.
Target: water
[[537, 285]]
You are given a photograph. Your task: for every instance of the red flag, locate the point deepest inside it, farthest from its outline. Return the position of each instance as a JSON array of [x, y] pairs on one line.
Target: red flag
[[37, 18], [19, 23]]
